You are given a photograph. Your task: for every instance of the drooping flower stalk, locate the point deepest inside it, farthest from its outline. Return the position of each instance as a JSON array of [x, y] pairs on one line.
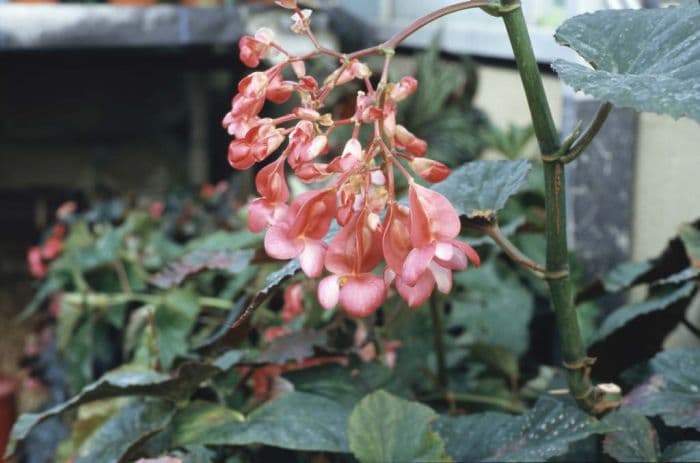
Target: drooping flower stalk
[[413, 248]]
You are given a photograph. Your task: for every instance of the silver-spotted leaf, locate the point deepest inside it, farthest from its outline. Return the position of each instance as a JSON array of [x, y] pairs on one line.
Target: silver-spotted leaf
[[673, 390], [545, 431], [634, 439]]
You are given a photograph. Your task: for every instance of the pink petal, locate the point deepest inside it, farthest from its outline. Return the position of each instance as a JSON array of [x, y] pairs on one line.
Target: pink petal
[[443, 250], [396, 242], [416, 263], [311, 258], [469, 251], [361, 295], [259, 215], [443, 277], [279, 246], [458, 261], [442, 218], [419, 293], [329, 292]]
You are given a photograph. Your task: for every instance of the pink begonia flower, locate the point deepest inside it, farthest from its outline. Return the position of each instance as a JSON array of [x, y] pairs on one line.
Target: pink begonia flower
[[396, 244], [351, 256], [247, 104], [304, 145], [434, 225], [419, 245], [300, 232], [312, 172], [252, 50], [260, 142], [279, 91], [36, 266], [272, 186], [293, 305]]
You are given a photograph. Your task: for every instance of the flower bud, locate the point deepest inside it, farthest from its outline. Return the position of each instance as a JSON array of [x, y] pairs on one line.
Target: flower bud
[[299, 69], [377, 177], [264, 35], [300, 22], [406, 86], [410, 142], [288, 4], [430, 170], [307, 114]]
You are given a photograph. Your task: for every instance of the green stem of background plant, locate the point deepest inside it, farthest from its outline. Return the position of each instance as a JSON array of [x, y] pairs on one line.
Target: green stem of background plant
[[438, 339], [573, 348]]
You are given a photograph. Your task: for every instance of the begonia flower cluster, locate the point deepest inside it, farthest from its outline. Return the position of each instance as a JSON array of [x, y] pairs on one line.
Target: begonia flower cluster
[[380, 243]]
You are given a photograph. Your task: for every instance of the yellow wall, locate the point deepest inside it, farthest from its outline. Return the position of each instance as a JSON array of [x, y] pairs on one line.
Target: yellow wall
[[667, 183]]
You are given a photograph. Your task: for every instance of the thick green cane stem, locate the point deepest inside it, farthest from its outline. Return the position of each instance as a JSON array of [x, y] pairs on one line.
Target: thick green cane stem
[[573, 348]]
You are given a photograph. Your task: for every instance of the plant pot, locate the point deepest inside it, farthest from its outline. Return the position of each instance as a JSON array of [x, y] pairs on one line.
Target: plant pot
[[8, 410]]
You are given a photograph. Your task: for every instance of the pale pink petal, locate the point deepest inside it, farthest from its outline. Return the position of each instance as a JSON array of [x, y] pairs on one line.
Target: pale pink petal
[[279, 246], [389, 276], [311, 258], [329, 292], [396, 242], [443, 250], [339, 258], [458, 261], [361, 295], [443, 277], [469, 251], [416, 263], [438, 212], [417, 294], [259, 215]]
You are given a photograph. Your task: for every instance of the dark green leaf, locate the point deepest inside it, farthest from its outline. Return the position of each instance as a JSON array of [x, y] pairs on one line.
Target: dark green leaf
[[496, 357], [104, 252], [296, 421], [173, 321], [232, 261], [494, 308], [122, 434], [123, 383], [623, 315], [646, 324], [272, 283], [682, 452], [225, 241], [624, 275], [345, 385], [648, 60], [199, 420], [634, 440], [49, 286], [691, 240], [295, 346], [543, 432], [479, 189], [385, 428], [690, 273], [673, 391]]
